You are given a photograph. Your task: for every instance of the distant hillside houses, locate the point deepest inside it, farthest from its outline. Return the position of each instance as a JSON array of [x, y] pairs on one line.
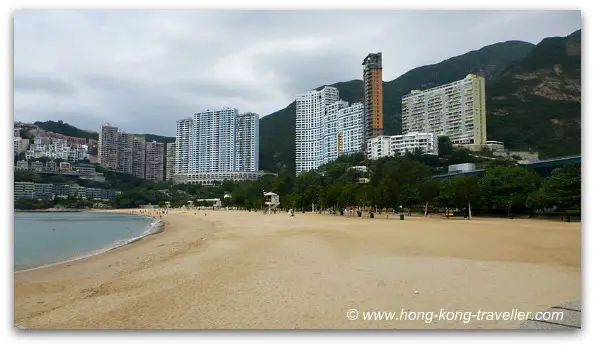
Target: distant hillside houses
[[82, 171], [54, 148], [38, 143]]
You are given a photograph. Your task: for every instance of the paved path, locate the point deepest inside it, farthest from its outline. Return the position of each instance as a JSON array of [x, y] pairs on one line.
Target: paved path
[[571, 320]]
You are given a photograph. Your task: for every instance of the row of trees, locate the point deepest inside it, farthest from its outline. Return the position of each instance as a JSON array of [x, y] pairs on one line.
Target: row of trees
[[404, 182], [393, 182]]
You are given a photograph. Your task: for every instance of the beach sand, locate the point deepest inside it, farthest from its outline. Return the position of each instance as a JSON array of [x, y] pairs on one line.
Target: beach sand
[[247, 270]]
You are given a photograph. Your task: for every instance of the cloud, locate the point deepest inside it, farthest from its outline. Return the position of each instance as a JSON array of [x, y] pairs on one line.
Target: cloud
[[143, 70], [42, 84]]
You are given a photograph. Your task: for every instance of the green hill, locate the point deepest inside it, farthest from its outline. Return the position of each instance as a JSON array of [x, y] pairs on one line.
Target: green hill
[[66, 129], [60, 127], [536, 103], [277, 130]]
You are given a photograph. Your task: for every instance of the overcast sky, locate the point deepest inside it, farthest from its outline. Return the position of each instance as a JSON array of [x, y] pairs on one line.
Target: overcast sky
[[143, 70]]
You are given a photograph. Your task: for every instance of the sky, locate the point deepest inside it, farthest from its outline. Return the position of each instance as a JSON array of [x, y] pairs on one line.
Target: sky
[[143, 70]]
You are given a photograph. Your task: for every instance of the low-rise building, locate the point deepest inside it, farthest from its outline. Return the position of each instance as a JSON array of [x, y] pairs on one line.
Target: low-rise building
[[93, 193], [78, 191], [464, 167], [108, 194], [213, 178], [22, 165], [44, 191], [379, 147], [62, 190], [360, 168], [31, 190], [410, 142], [65, 166], [24, 190], [50, 166], [216, 202], [97, 177], [37, 166], [383, 146], [85, 170]]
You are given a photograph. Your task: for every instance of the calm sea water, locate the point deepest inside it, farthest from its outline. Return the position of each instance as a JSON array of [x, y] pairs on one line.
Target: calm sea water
[[46, 237]]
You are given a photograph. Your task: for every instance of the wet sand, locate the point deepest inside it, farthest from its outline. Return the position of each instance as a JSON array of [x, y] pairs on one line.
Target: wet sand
[[232, 269]]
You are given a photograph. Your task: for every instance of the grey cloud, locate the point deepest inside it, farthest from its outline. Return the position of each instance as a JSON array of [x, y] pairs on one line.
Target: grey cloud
[[142, 70], [42, 84], [316, 68]]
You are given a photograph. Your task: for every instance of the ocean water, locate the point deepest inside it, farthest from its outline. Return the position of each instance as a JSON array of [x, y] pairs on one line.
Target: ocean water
[[42, 238]]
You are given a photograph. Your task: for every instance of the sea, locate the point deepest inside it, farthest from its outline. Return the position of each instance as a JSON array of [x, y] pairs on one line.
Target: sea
[[45, 238]]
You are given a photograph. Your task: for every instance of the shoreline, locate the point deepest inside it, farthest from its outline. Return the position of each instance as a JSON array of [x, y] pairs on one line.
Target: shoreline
[[51, 210], [242, 270], [156, 227]]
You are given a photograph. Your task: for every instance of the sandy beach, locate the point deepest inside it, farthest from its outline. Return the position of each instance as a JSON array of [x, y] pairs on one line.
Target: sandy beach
[[247, 270]]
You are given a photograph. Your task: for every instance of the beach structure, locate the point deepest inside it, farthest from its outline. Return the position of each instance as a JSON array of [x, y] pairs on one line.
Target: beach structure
[[272, 201]]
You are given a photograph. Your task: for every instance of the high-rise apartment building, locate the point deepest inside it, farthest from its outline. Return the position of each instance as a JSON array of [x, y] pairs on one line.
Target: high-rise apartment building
[[247, 142], [372, 90], [213, 141], [130, 153], [456, 110], [125, 152], [216, 141], [326, 127], [170, 156], [108, 147], [343, 130], [138, 156], [183, 141], [154, 161]]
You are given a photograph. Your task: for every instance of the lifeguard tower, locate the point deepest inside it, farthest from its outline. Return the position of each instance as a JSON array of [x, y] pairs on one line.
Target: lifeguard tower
[[272, 201]]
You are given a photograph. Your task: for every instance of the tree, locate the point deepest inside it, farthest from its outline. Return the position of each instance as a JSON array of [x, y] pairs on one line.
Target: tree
[[507, 187], [444, 146], [465, 191], [446, 196], [427, 192], [460, 156], [563, 188]]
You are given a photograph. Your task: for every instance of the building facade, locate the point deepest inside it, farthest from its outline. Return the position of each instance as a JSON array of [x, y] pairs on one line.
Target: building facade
[[213, 142], [138, 156], [221, 141], [384, 146], [373, 95], [326, 127], [247, 134], [343, 130], [54, 148], [170, 156], [212, 178], [125, 152], [154, 161], [108, 147], [183, 154], [378, 147], [20, 145], [24, 190], [427, 143], [132, 153], [456, 110]]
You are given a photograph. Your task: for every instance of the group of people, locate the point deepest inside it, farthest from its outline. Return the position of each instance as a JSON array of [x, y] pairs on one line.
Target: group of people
[[159, 212]]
